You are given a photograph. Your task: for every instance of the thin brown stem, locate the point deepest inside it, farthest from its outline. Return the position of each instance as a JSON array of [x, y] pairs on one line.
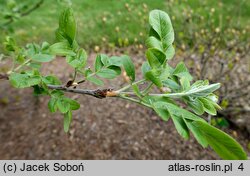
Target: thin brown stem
[[98, 93]]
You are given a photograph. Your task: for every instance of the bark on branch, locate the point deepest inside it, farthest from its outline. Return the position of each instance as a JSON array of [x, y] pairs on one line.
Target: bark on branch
[[36, 6], [4, 76], [98, 93]]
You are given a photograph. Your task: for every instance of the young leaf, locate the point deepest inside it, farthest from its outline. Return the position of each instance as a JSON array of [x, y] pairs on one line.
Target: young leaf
[[115, 60], [196, 106], [136, 90], [195, 92], [153, 42], [61, 49], [19, 80], [170, 52], [95, 80], [145, 68], [162, 25], [98, 63], [185, 83], [45, 46], [175, 110], [208, 106], [128, 67], [63, 105], [92, 79], [153, 75], [104, 59], [51, 80], [171, 84], [107, 73], [74, 105], [180, 126], [163, 113], [197, 132], [79, 61], [223, 144], [33, 80], [23, 80], [115, 68], [182, 71], [42, 57], [67, 25], [52, 104], [155, 57], [67, 120]]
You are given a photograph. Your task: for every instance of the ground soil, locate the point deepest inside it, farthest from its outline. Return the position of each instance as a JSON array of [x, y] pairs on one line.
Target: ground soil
[[102, 129]]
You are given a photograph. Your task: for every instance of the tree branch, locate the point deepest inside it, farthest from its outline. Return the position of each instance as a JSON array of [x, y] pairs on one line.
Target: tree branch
[[37, 5], [98, 93], [4, 76]]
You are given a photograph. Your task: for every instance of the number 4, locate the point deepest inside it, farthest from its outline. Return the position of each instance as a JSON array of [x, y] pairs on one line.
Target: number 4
[[241, 167]]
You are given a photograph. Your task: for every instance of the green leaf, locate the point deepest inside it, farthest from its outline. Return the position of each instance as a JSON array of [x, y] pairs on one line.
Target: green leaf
[[10, 44], [136, 90], [202, 91], [45, 46], [162, 112], [155, 57], [170, 52], [52, 105], [171, 84], [153, 42], [57, 93], [92, 79], [33, 80], [39, 90], [61, 49], [98, 63], [115, 60], [35, 65], [153, 75], [223, 144], [182, 71], [67, 120], [107, 73], [145, 68], [19, 80], [67, 25], [208, 106], [196, 92], [115, 68], [104, 59], [42, 57], [154, 34], [63, 105], [197, 132], [23, 80], [74, 105], [79, 61], [51, 80], [95, 80], [180, 126], [162, 25], [128, 67], [196, 106], [177, 111], [165, 73], [185, 83]]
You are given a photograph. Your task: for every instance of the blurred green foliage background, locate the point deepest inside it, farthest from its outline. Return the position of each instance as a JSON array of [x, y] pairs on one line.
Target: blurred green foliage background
[[110, 23]]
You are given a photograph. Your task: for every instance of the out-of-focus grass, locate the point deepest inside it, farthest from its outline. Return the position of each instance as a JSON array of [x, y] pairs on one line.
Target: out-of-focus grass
[[125, 22], [99, 22]]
